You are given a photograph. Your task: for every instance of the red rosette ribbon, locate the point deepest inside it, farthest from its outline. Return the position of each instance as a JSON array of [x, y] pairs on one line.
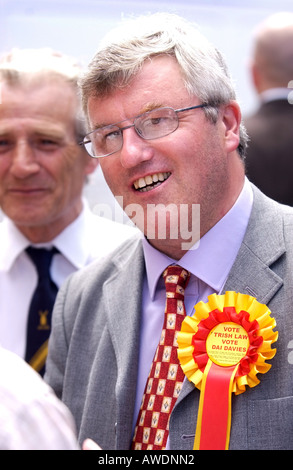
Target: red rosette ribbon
[[222, 348]]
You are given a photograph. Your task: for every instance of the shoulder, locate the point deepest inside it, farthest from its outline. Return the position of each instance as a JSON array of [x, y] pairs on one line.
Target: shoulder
[[84, 301], [269, 211], [86, 293], [128, 255], [271, 224]]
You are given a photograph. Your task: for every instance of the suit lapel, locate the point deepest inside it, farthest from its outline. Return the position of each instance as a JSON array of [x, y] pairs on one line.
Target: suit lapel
[[262, 246], [251, 274], [123, 294]]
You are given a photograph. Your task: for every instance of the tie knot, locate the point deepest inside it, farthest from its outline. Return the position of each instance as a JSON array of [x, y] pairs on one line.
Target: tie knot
[[176, 280], [41, 257]]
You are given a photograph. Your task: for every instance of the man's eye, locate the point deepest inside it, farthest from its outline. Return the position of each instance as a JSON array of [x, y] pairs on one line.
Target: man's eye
[[155, 121], [5, 145], [112, 135], [47, 144]]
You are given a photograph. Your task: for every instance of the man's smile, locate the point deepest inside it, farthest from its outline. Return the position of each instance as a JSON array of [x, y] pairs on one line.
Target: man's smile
[[150, 182]]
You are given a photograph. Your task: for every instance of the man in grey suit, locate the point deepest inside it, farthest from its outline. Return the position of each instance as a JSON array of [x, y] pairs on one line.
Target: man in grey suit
[[162, 112], [269, 163]]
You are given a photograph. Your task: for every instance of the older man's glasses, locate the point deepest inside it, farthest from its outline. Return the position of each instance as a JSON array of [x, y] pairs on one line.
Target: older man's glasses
[[151, 125]]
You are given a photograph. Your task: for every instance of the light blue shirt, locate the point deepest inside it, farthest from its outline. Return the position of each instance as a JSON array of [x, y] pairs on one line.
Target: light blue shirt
[[209, 265]]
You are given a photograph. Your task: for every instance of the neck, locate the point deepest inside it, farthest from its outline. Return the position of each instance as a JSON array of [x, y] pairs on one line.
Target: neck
[[44, 233]]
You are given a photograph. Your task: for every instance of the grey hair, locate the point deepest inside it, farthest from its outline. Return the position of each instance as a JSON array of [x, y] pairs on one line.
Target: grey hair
[[125, 49], [20, 67]]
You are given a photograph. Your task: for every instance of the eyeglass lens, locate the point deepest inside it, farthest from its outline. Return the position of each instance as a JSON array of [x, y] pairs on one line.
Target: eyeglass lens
[[150, 125]]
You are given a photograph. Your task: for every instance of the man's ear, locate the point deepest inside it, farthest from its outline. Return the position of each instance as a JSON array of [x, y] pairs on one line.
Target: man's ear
[[231, 116]]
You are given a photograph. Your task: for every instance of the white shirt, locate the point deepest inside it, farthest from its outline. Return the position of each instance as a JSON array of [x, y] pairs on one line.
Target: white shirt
[[209, 265], [89, 237], [31, 416]]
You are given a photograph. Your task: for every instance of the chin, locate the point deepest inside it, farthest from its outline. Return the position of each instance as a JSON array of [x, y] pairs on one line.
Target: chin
[[29, 218]]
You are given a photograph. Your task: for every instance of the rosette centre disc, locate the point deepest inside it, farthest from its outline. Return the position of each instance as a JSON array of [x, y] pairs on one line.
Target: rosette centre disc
[[227, 343]]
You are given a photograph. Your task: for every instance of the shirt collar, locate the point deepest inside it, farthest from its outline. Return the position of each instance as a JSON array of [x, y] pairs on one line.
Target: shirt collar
[[72, 241], [69, 242], [215, 254], [13, 244]]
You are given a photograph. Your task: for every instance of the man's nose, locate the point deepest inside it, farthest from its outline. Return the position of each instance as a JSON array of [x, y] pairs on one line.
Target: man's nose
[[135, 149], [24, 162]]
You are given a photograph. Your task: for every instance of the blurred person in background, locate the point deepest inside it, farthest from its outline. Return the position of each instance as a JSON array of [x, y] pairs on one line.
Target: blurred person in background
[[48, 230], [269, 159], [31, 416]]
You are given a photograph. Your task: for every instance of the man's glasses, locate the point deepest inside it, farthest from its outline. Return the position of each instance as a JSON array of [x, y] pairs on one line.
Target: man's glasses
[[151, 125]]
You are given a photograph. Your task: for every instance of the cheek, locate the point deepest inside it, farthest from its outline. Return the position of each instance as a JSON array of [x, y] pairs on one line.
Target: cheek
[[6, 162], [71, 165], [4, 170]]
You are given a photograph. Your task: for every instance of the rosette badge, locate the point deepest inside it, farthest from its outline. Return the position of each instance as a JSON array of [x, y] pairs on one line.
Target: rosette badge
[[222, 348]]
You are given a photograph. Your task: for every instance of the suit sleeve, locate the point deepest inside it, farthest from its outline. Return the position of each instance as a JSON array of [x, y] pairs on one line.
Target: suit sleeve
[[58, 344]]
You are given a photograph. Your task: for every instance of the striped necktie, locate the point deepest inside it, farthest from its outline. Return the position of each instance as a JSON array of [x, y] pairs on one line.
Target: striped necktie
[[165, 379]]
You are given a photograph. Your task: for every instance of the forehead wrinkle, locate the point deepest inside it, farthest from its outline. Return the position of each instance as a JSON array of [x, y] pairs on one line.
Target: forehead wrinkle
[[32, 127]]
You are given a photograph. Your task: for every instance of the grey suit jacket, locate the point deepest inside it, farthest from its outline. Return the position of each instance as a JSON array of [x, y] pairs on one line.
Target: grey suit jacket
[[93, 353]]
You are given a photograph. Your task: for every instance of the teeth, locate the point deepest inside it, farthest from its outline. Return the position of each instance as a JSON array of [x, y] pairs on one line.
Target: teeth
[[149, 180], [155, 178], [141, 182]]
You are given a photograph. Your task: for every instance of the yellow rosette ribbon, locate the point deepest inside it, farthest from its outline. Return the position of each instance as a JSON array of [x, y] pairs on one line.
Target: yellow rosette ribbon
[[222, 348]]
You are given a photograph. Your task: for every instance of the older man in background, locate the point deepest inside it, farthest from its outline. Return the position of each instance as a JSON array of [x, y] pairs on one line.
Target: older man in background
[[48, 230]]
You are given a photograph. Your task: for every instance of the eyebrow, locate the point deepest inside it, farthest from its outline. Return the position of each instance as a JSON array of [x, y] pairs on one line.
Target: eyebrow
[[146, 108], [151, 106]]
